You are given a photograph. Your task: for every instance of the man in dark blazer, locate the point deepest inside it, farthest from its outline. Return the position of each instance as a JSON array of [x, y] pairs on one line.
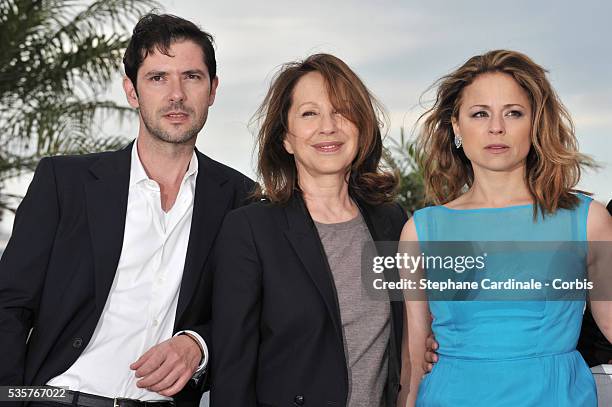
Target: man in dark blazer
[[104, 245]]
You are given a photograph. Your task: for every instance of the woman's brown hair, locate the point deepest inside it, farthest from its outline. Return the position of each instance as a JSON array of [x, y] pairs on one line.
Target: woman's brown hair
[[553, 164], [276, 167]]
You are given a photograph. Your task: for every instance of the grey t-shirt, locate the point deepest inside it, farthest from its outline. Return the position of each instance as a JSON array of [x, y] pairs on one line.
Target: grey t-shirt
[[365, 322]]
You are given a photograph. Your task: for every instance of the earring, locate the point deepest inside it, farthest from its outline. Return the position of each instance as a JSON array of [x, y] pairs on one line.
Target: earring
[[458, 141]]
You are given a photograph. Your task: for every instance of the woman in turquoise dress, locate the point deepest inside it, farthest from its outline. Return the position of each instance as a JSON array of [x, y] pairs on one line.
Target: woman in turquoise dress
[[501, 164]]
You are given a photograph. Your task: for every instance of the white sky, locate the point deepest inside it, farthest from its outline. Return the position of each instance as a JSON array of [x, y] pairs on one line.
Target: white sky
[[399, 48]]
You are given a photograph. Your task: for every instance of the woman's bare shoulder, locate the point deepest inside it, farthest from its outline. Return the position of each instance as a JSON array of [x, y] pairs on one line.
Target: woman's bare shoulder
[[599, 222]]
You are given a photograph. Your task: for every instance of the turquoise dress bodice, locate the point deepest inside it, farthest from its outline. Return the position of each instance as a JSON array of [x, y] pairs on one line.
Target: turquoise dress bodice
[[507, 353]]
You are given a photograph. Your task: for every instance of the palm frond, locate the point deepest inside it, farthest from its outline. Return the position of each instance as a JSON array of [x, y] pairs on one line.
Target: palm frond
[[56, 57], [402, 156]]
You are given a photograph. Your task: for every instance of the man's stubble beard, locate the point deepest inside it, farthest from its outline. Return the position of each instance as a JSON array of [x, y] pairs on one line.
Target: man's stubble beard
[[154, 128]]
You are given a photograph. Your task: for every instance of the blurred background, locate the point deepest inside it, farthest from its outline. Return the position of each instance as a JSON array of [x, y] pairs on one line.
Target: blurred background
[[60, 71]]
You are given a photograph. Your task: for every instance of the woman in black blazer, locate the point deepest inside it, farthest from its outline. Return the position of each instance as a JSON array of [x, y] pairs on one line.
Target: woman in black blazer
[[291, 326]]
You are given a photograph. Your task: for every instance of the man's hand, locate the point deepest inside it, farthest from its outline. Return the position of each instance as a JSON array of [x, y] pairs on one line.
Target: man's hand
[[431, 356], [168, 366]]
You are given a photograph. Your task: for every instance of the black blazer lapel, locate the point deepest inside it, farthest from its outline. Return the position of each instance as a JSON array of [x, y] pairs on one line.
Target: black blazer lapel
[[378, 219], [304, 239], [212, 200], [106, 194], [378, 223]]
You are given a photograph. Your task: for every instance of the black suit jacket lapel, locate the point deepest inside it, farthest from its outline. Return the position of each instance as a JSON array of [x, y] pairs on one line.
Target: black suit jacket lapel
[[106, 194], [378, 223], [378, 220], [212, 200], [304, 239]]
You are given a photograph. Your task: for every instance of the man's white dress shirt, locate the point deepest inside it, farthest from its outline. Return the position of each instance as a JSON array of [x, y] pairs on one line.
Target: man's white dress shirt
[[141, 307]]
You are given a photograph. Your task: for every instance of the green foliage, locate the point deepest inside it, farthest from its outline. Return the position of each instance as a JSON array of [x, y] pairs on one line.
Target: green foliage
[[401, 156], [56, 57]]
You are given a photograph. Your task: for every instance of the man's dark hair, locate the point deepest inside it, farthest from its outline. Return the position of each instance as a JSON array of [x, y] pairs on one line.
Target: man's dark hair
[[157, 32]]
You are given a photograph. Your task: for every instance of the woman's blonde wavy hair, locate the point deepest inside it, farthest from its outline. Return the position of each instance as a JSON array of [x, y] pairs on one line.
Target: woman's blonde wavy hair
[[553, 163]]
